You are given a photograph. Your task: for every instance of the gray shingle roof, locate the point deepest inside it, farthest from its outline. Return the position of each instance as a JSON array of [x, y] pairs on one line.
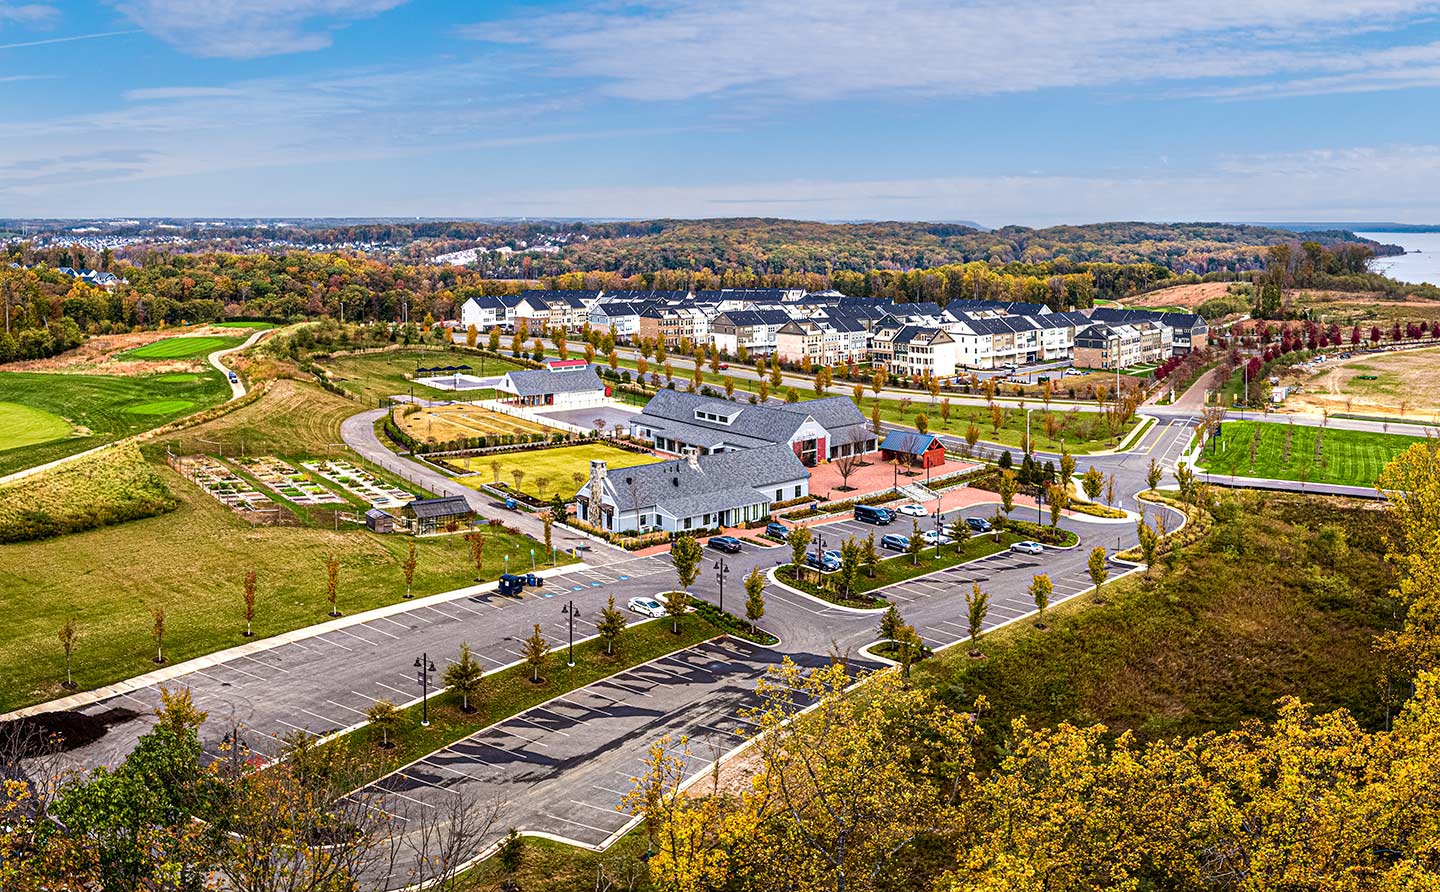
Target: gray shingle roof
[[725, 480], [449, 506], [538, 382]]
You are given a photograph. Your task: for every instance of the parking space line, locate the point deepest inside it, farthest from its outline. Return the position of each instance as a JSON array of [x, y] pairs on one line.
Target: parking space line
[[579, 824], [395, 689], [608, 811], [324, 718], [419, 802], [335, 643], [262, 663], [349, 708], [521, 718], [375, 628]]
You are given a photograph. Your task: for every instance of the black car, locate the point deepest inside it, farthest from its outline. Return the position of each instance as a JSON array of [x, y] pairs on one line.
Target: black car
[[978, 524], [778, 530], [725, 543]]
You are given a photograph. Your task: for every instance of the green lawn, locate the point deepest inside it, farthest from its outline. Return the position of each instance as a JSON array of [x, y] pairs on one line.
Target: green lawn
[[376, 375], [99, 408], [259, 326], [1349, 457], [27, 426], [192, 561], [556, 467], [898, 566], [185, 347]]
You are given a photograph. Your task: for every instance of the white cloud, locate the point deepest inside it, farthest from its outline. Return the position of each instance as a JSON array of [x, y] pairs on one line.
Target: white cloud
[[245, 29], [28, 13], [680, 49]]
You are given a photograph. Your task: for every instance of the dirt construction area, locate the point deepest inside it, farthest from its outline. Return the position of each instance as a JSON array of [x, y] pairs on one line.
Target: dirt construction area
[[441, 424], [1402, 384]]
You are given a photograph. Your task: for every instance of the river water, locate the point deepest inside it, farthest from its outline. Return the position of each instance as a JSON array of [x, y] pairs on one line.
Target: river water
[[1419, 263]]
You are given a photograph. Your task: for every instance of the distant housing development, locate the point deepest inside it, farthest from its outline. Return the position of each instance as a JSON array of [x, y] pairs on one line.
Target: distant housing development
[[830, 329]]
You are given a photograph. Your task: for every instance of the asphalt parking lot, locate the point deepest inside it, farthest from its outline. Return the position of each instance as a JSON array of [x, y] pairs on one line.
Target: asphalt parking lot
[[563, 767]]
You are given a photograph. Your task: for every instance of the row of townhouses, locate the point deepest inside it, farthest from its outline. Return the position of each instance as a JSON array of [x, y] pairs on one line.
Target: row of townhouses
[[832, 329]]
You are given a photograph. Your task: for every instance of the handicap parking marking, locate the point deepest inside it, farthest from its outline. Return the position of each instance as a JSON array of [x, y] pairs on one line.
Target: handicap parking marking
[[623, 577]]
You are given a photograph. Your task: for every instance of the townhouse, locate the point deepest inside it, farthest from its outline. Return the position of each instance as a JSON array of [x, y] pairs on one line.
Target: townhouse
[[755, 330]]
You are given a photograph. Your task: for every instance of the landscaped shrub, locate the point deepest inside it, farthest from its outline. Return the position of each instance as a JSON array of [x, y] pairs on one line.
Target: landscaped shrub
[[109, 487]]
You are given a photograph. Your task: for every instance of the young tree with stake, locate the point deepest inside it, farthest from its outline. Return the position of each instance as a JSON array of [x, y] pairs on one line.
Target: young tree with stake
[[248, 594], [408, 566], [799, 541], [463, 676], [754, 598], [68, 634], [915, 544], [477, 551], [534, 650], [612, 624], [1099, 572], [157, 631], [1040, 590], [383, 714], [332, 583]]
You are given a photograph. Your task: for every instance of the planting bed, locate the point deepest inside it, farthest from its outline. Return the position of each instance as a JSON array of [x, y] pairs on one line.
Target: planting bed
[[222, 483], [288, 482], [361, 484]]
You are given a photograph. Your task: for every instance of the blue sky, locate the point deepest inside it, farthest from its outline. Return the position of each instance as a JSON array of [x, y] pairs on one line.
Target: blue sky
[[1036, 112]]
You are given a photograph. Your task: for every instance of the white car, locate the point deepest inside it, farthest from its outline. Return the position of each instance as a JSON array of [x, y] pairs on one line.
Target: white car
[[1028, 547], [646, 607], [930, 536], [914, 509]]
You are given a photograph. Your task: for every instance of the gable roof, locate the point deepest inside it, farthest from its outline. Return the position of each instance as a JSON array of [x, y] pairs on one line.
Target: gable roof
[[910, 442], [447, 506], [538, 382], [723, 480]]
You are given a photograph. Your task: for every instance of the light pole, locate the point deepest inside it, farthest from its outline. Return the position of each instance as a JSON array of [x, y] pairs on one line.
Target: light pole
[[819, 556], [938, 528], [1029, 447], [423, 670], [721, 571], [571, 612]]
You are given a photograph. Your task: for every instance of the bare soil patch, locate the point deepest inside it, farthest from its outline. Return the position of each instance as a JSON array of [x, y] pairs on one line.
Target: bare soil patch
[[1403, 384], [98, 355], [1179, 295]]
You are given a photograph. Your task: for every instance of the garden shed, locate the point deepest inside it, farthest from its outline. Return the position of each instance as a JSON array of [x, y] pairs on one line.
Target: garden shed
[[913, 448], [378, 521]]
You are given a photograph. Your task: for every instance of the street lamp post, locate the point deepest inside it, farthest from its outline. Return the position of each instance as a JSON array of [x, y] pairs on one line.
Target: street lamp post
[[423, 670], [819, 556], [571, 612], [721, 571]]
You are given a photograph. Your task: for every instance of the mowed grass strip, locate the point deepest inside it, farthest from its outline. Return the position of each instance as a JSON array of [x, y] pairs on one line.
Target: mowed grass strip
[[376, 375], [1354, 458], [192, 562], [26, 426], [556, 467], [185, 347], [101, 407], [508, 692]]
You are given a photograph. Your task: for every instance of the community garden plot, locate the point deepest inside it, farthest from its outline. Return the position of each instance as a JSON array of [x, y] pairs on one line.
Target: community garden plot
[[361, 483], [222, 483], [288, 482]]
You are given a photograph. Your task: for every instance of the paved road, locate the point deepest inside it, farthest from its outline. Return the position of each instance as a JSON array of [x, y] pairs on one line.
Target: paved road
[[237, 386]]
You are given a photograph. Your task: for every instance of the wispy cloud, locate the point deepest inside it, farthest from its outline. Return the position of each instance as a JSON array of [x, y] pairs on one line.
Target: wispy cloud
[[28, 13], [821, 49], [246, 29]]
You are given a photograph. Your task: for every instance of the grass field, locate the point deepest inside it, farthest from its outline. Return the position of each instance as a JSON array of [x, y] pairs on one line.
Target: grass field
[[442, 424], [26, 426], [182, 347], [100, 408], [376, 375], [1349, 457], [1245, 618], [111, 486], [192, 561], [257, 326], [556, 467], [1404, 384]]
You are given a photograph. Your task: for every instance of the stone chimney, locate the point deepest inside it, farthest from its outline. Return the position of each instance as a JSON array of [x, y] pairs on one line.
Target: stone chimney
[[692, 458], [598, 470]]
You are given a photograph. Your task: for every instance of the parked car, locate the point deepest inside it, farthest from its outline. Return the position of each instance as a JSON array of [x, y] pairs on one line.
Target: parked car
[[978, 524], [645, 607], [914, 509], [510, 584], [778, 530], [871, 514], [822, 562], [725, 543], [930, 536], [724, 366], [1073, 373], [833, 554], [894, 542], [1028, 547]]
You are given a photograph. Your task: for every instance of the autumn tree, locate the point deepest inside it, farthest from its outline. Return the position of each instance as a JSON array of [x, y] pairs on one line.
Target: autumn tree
[[1153, 474], [407, 566], [1007, 486], [534, 650], [799, 541], [1092, 482], [1098, 569], [1040, 590], [157, 631], [247, 595], [476, 541], [383, 714], [611, 625], [977, 608], [69, 633], [754, 598]]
